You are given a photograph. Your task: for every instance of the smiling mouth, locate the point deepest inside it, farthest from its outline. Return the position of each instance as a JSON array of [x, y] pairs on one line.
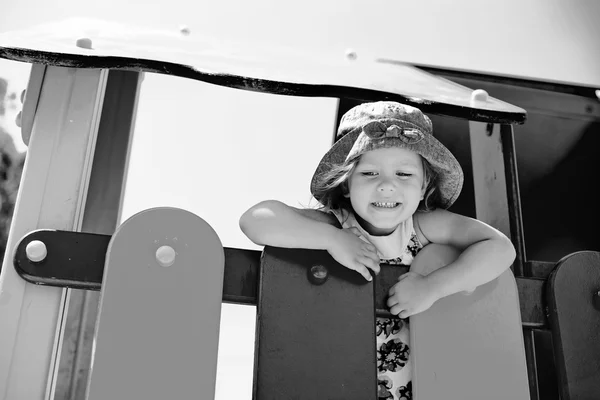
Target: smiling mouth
[[385, 204]]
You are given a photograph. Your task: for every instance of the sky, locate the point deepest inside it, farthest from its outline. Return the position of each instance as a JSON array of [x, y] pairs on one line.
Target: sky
[[216, 151]]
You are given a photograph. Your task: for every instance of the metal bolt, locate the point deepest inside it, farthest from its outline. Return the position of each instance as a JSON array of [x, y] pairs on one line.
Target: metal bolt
[[165, 256], [84, 43], [36, 251], [318, 274], [479, 95], [184, 30]]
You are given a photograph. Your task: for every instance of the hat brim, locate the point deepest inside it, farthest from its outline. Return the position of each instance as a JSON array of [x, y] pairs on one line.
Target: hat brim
[[449, 172]]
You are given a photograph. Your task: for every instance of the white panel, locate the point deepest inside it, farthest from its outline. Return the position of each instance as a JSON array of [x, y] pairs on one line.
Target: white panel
[[52, 195]]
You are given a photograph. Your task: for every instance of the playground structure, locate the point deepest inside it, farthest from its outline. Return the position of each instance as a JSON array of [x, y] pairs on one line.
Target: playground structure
[[95, 84]]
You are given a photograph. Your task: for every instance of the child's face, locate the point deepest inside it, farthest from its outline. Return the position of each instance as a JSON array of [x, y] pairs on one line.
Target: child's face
[[385, 188]]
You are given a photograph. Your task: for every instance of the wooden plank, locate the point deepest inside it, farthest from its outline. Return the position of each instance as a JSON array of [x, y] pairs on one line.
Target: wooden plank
[[574, 304], [468, 346], [102, 215], [241, 281], [489, 180], [540, 269], [52, 195], [162, 341], [513, 198], [314, 341], [31, 100]]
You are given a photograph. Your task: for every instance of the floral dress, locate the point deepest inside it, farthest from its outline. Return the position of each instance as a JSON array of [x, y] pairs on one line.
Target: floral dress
[[394, 369]]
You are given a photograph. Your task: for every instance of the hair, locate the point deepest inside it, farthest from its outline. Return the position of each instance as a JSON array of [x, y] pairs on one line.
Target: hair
[[333, 185]]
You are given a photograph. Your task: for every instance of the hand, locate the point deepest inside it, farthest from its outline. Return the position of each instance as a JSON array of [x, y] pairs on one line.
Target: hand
[[411, 295], [352, 252]]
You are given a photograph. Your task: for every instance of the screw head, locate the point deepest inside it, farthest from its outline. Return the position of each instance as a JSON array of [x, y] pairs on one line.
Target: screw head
[[318, 274], [184, 30], [36, 251], [84, 43], [479, 95], [165, 256]]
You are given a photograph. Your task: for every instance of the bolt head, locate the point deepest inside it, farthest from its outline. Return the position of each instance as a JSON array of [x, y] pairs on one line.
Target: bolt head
[[165, 256], [318, 274], [84, 43], [36, 251], [479, 95]]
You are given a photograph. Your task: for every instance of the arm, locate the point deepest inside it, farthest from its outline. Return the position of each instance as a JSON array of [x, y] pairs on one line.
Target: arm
[[274, 223], [486, 252]]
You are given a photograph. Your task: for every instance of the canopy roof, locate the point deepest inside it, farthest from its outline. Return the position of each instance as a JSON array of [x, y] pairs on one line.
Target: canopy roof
[[85, 43]]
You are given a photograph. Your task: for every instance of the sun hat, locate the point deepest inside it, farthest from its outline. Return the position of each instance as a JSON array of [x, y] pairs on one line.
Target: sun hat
[[384, 124]]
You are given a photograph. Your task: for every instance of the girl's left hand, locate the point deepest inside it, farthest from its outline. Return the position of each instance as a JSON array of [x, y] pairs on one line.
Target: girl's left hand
[[411, 295]]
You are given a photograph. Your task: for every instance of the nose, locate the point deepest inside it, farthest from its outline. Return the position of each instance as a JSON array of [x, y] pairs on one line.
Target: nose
[[386, 185]]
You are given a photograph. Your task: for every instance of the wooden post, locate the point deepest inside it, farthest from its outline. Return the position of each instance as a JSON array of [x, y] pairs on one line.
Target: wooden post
[[102, 216], [53, 194]]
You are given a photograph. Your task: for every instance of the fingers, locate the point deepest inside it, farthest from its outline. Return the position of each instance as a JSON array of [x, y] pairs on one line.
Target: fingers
[[391, 302], [400, 311], [361, 269], [369, 262]]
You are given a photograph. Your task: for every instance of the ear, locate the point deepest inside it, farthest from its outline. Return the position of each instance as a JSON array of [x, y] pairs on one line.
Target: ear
[[346, 194]]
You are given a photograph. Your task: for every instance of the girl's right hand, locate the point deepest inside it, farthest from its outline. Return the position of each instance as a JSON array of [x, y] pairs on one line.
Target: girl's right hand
[[347, 248]]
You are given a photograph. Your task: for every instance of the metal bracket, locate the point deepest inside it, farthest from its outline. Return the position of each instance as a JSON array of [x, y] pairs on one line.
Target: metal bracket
[[62, 258]]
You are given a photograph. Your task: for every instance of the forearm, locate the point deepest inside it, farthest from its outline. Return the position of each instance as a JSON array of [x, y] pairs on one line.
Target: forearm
[[478, 264], [275, 224]]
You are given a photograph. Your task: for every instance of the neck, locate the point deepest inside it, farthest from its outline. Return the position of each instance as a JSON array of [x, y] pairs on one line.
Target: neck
[[372, 230]]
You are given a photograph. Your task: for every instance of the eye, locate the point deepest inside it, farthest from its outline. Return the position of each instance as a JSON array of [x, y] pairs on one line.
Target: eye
[[368, 173], [404, 174]]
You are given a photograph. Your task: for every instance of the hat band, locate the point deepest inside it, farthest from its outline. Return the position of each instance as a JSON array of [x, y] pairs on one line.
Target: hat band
[[379, 130]]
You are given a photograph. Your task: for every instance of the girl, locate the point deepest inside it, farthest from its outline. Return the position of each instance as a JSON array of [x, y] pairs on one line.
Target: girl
[[387, 182]]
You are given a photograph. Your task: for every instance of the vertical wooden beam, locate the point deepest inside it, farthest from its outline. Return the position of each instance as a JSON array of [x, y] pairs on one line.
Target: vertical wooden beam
[[520, 267], [32, 100], [497, 200], [489, 180], [102, 215], [52, 194]]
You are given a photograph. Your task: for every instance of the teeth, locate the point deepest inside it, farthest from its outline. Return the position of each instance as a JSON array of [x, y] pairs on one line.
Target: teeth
[[385, 205]]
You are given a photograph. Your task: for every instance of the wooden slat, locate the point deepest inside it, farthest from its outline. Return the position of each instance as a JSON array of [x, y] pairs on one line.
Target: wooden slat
[[540, 269], [242, 268], [307, 333], [102, 216], [514, 199], [161, 342], [574, 311]]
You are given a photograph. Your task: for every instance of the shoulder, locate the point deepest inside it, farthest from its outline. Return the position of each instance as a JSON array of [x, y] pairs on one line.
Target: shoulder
[[430, 225], [445, 227]]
